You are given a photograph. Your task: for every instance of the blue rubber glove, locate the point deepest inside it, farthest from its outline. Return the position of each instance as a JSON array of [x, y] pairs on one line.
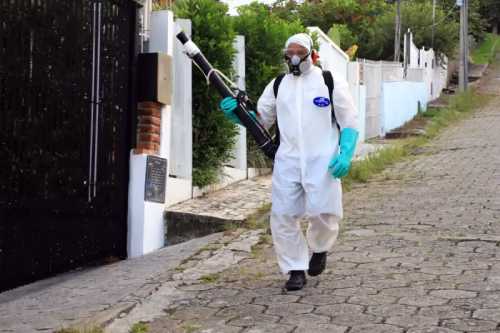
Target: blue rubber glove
[[340, 164], [228, 105]]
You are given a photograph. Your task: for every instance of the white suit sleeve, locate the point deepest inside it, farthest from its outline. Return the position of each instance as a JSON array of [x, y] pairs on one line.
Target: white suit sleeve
[[345, 109], [266, 106]]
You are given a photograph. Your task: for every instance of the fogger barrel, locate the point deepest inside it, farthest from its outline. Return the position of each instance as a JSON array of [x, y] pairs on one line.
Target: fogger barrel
[[258, 132]]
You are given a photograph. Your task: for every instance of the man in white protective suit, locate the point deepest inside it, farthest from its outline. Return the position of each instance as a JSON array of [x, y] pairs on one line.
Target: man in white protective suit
[[317, 144]]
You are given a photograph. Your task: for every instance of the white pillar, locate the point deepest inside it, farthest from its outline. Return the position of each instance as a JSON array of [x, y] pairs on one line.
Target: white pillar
[[162, 40], [239, 161], [145, 219], [181, 157], [146, 231]]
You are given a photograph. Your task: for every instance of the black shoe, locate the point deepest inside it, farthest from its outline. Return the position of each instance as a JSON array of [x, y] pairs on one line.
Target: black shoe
[[317, 264], [296, 281]]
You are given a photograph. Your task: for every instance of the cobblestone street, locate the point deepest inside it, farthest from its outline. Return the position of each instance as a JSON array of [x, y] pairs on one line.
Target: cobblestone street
[[418, 252]]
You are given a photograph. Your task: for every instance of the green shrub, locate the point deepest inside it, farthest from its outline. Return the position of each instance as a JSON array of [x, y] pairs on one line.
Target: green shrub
[[140, 328], [213, 134]]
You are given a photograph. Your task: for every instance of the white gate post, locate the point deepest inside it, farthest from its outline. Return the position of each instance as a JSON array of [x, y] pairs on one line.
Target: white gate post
[[239, 161], [181, 157], [146, 228]]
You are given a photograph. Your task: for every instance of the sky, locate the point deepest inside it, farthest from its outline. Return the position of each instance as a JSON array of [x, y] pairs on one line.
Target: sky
[[235, 3]]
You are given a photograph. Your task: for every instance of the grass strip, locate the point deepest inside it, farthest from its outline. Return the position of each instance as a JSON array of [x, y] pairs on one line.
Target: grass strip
[[486, 52]]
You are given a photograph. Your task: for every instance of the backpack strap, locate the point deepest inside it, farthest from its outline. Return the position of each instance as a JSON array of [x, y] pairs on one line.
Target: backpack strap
[[277, 83], [276, 86], [328, 78]]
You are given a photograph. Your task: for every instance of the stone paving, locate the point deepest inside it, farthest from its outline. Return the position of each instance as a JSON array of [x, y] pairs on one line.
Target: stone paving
[[419, 252]]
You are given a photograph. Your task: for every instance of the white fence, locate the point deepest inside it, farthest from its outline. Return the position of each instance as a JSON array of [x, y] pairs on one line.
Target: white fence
[[425, 66], [397, 91]]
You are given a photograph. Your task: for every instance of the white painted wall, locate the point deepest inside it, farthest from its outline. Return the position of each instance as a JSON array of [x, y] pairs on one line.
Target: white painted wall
[[400, 103], [372, 78], [358, 92], [392, 71]]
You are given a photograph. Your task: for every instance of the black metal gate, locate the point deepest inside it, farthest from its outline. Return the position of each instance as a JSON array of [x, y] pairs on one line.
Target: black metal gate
[[65, 111]]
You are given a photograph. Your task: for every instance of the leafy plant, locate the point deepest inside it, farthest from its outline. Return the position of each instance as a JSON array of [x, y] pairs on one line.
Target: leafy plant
[[139, 328]]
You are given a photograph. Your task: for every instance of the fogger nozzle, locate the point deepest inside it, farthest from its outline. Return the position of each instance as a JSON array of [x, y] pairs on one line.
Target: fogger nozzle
[[182, 37]]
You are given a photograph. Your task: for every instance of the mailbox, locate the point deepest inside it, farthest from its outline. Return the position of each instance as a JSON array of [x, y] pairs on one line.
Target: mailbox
[[154, 71]]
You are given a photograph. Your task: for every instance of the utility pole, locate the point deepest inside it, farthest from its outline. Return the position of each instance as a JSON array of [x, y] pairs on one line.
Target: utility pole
[[397, 35], [463, 74], [433, 22]]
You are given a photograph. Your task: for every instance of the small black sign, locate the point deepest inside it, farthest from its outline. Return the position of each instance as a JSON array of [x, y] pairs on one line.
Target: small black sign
[[156, 177]]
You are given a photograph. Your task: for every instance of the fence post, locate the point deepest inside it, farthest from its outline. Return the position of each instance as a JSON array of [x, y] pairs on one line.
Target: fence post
[[181, 157], [240, 148]]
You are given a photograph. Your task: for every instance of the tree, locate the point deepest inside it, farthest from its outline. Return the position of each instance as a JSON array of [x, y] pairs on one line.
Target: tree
[[356, 18], [490, 11], [477, 23], [417, 16], [370, 24]]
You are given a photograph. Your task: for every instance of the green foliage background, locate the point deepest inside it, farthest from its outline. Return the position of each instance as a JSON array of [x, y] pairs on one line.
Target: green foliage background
[[417, 16]]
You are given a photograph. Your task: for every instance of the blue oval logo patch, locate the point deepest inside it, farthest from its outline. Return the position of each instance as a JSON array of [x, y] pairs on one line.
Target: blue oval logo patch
[[321, 101]]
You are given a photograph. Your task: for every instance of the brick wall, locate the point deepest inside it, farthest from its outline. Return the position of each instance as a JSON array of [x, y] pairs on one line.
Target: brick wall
[[148, 128]]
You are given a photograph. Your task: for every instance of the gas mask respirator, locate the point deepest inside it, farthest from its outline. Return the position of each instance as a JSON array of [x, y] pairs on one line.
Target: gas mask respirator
[[298, 65]]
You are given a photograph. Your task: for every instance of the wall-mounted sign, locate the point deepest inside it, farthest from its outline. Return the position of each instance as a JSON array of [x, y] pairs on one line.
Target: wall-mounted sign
[[156, 177]]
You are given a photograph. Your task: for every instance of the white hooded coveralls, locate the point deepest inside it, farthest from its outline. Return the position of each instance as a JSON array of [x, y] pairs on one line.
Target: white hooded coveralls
[[301, 183]]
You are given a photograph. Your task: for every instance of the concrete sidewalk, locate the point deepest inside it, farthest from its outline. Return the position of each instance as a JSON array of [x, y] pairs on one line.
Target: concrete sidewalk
[[95, 294]]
